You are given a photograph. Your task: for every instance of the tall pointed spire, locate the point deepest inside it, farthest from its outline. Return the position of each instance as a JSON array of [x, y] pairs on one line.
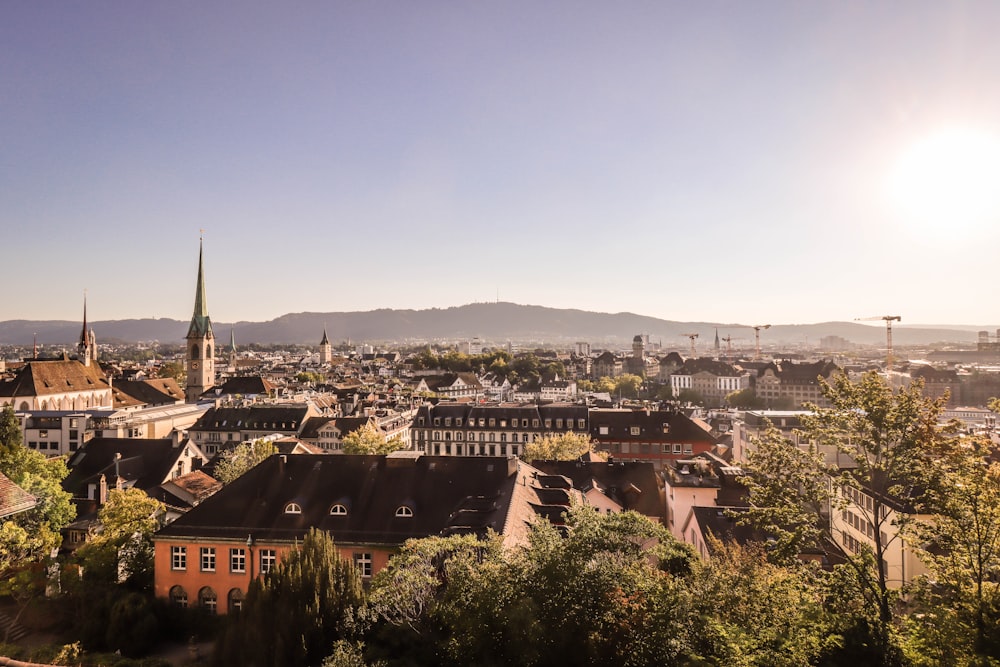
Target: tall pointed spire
[[232, 340], [84, 339], [326, 339], [201, 324]]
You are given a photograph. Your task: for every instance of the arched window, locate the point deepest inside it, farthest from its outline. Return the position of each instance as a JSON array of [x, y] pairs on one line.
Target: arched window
[[404, 511], [24, 406], [293, 508], [194, 352], [338, 510], [208, 351], [208, 600], [235, 601], [178, 597]]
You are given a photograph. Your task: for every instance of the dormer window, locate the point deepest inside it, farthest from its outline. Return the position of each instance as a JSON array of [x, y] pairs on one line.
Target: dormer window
[[293, 508], [338, 510], [404, 511]]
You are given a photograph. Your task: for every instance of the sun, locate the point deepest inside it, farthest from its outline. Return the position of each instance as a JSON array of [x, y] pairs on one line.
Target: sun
[[948, 181]]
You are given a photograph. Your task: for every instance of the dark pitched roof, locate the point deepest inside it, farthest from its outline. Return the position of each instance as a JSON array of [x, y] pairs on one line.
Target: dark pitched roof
[[161, 391], [143, 463], [634, 486], [446, 494], [276, 418], [657, 425], [250, 385]]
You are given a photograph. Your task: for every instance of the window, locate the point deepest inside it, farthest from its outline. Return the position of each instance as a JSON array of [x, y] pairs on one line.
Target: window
[[602, 430], [338, 510], [581, 423], [404, 511], [208, 600], [268, 559], [208, 559], [634, 430], [363, 561], [293, 508], [238, 560], [235, 600], [178, 597], [458, 421], [559, 423], [178, 559], [534, 423], [548, 423], [687, 448], [493, 422]]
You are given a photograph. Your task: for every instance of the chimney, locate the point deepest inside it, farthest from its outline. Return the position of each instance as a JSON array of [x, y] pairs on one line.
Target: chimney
[[102, 496]]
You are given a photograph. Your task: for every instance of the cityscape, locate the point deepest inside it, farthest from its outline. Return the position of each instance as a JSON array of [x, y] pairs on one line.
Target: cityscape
[[389, 334]]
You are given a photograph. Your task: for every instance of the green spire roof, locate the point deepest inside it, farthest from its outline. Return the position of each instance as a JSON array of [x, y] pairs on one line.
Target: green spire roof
[[201, 324]]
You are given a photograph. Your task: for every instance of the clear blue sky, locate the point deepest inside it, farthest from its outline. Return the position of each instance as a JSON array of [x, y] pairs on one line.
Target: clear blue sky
[[686, 160]]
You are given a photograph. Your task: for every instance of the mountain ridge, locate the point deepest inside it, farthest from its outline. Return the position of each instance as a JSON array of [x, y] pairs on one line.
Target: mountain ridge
[[494, 322]]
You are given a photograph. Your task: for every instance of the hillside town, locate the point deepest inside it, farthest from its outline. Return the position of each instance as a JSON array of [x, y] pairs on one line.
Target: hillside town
[[379, 447]]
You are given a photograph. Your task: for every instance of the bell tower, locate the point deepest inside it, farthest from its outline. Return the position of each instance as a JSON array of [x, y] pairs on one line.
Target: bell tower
[[200, 342], [325, 351]]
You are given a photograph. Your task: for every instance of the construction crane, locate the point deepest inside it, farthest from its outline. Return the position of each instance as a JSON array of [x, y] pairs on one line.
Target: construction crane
[[756, 338], [889, 319], [692, 336], [728, 340]]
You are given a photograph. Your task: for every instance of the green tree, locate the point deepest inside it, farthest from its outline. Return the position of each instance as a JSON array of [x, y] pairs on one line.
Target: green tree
[[295, 613], [241, 458], [309, 376], [127, 523], [561, 447], [628, 385], [175, 370], [961, 545], [690, 396], [745, 399], [369, 440], [29, 536], [890, 437]]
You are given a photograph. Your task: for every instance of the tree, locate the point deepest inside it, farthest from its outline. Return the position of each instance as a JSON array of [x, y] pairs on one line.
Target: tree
[[309, 376], [295, 613], [745, 399], [628, 385], [690, 396], [369, 440], [175, 370], [890, 437], [241, 458], [562, 447], [29, 536], [961, 543], [127, 523]]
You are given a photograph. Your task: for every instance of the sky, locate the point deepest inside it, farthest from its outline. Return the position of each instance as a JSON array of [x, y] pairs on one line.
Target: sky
[[734, 162]]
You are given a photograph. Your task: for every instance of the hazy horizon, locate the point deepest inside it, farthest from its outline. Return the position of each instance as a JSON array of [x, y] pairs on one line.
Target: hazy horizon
[[772, 162]]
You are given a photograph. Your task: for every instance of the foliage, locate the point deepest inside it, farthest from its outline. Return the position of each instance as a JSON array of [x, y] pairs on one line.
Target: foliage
[[691, 396], [890, 437], [309, 376], [317, 596], [236, 461], [369, 440], [125, 542], [557, 447], [745, 399], [961, 544], [29, 536], [175, 370]]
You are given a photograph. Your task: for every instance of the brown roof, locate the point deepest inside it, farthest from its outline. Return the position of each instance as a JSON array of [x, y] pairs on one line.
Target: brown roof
[[14, 499], [60, 376]]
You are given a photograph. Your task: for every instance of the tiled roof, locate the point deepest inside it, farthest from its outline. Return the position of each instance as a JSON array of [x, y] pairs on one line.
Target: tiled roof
[[14, 499], [42, 378], [619, 423], [634, 486], [286, 418], [143, 463], [161, 391], [446, 494]]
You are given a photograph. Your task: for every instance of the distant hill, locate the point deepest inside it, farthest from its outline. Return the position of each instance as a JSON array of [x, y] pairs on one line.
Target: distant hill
[[493, 322]]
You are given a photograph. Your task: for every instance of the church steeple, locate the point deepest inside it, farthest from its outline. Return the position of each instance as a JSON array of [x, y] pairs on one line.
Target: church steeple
[[325, 349], [201, 323], [201, 339], [87, 347]]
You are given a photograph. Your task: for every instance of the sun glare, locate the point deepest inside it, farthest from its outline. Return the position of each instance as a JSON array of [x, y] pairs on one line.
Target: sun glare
[[949, 181]]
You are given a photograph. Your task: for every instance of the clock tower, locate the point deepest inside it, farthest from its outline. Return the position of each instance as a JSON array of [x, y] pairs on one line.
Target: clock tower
[[200, 342]]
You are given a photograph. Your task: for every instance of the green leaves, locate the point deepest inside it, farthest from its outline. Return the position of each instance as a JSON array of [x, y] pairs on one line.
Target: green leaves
[[241, 458]]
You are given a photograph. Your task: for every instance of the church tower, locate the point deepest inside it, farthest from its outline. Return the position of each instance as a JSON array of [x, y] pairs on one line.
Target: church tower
[[87, 347], [325, 349], [200, 342]]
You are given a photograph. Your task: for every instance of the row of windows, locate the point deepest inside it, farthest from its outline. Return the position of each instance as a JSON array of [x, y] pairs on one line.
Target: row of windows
[[514, 422], [237, 559], [341, 510], [648, 448], [426, 435], [468, 450], [268, 558], [207, 599]]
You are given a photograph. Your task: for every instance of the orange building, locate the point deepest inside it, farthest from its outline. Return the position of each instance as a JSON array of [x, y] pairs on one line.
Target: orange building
[[369, 504]]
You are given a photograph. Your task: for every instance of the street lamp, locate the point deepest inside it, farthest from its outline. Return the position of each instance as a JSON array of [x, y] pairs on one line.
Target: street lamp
[[250, 553]]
